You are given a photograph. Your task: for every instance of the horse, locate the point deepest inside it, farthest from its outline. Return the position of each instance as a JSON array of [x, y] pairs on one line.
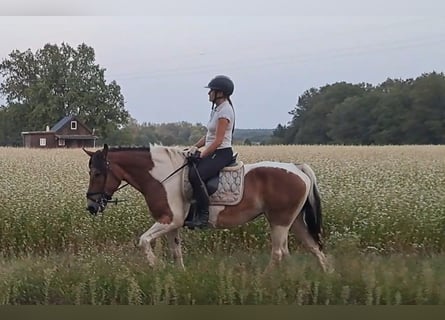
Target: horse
[[285, 193]]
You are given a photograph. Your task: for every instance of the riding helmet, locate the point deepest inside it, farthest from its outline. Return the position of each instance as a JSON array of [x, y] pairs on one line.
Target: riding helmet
[[222, 83]]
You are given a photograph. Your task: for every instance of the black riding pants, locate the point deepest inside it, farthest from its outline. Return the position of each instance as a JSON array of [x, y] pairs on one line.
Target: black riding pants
[[208, 167]]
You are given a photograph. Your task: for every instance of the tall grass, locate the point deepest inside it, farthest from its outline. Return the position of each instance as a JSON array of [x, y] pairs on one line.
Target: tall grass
[[384, 219]]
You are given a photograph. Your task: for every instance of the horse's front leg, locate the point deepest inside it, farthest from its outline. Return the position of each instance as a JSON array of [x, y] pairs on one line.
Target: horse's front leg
[[174, 243], [156, 231]]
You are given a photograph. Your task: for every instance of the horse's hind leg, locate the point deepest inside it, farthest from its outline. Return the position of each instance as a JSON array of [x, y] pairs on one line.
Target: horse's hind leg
[[174, 243], [301, 232]]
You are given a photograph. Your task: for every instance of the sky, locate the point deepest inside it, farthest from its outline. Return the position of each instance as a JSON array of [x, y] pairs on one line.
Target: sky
[[163, 53]]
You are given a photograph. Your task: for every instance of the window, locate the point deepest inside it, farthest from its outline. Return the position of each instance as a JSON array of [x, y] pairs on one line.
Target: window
[[43, 142], [61, 142], [73, 125]]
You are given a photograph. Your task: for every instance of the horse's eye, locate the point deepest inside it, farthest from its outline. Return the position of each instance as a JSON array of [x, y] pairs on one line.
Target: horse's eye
[[97, 174]]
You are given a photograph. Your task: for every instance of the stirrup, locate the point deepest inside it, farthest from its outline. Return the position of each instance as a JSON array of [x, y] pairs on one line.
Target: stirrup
[[197, 222], [196, 225]]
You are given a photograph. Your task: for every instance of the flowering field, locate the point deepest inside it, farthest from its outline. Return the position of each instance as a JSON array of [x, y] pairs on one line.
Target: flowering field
[[384, 219]]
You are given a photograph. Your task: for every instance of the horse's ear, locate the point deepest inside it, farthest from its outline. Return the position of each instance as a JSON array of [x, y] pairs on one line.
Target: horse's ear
[[90, 153], [105, 150]]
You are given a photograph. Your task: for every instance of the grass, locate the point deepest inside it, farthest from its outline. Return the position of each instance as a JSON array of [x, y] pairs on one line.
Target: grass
[[121, 276], [384, 218]]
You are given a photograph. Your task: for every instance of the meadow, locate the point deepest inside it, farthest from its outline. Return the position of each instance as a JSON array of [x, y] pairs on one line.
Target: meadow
[[384, 223]]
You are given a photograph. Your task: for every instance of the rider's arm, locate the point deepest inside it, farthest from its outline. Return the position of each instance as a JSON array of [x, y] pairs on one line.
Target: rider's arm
[[201, 142]]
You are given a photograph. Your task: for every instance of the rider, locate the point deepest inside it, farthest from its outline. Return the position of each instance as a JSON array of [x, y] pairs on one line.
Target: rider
[[217, 143]]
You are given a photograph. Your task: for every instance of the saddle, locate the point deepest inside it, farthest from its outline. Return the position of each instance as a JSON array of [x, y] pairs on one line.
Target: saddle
[[226, 188]]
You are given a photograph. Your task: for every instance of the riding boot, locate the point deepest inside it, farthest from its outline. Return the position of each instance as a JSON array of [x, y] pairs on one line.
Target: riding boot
[[202, 216]]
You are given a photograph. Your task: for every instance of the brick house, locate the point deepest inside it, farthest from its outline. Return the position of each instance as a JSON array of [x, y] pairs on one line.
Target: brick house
[[69, 132]]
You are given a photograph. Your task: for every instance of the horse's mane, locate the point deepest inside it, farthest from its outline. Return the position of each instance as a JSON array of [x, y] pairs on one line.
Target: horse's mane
[[171, 151], [129, 148]]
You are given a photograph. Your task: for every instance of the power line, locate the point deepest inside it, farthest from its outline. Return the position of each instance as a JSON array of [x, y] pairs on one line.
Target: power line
[[223, 50], [284, 59]]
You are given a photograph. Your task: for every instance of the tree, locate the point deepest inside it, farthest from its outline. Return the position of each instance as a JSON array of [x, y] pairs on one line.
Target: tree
[[390, 112], [56, 81], [310, 123], [278, 135], [425, 122], [351, 121], [10, 125], [408, 111]]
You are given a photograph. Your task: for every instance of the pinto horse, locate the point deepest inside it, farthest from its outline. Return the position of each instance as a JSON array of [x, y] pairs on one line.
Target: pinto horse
[[285, 193]]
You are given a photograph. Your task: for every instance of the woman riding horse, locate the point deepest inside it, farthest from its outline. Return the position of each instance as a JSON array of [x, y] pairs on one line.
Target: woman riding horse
[[217, 145]]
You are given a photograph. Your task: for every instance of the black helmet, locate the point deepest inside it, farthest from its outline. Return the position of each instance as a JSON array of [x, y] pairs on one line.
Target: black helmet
[[223, 84]]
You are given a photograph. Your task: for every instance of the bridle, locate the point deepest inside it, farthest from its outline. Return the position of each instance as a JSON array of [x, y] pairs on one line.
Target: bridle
[[105, 198]]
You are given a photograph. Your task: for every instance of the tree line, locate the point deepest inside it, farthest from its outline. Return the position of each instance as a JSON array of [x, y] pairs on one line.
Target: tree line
[[42, 87], [396, 112], [178, 133]]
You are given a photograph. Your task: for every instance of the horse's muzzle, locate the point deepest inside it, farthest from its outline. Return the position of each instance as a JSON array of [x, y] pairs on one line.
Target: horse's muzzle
[[92, 209], [95, 207]]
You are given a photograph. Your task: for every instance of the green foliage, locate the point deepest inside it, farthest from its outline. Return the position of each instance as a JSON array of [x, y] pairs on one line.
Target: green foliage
[[43, 87], [254, 136], [9, 120], [179, 133], [394, 112], [167, 134], [118, 275]]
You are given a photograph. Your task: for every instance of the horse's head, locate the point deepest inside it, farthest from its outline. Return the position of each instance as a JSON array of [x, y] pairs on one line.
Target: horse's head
[[103, 182]]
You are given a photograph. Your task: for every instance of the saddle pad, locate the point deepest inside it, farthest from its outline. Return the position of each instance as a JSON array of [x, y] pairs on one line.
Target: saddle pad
[[230, 186]]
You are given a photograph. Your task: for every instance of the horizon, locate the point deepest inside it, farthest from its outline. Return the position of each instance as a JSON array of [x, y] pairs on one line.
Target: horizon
[[162, 63]]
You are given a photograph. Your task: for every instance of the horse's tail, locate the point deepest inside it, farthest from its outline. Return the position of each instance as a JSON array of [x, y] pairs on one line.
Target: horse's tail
[[312, 207]]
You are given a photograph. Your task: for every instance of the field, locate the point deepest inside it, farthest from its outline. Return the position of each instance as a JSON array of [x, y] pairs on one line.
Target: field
[[384, 221]]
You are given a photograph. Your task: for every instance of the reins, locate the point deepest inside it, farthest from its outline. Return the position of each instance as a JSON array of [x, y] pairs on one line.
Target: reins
[[166, 178], [174, 172], [116, 201]]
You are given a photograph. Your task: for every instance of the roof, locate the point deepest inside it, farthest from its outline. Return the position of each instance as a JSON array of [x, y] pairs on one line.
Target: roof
[[59, 125]]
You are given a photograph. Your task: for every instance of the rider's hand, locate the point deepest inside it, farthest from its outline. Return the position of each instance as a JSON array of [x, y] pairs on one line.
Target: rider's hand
[[193, 155], [191, 151]]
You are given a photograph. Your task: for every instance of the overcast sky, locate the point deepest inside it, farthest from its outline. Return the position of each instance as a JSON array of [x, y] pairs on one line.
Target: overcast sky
[[165, 52]]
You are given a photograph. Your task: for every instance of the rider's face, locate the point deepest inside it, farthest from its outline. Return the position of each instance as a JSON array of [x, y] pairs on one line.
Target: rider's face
[[212, 94]]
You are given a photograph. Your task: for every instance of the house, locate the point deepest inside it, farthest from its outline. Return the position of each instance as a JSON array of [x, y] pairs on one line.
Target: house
[[69, 132]]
